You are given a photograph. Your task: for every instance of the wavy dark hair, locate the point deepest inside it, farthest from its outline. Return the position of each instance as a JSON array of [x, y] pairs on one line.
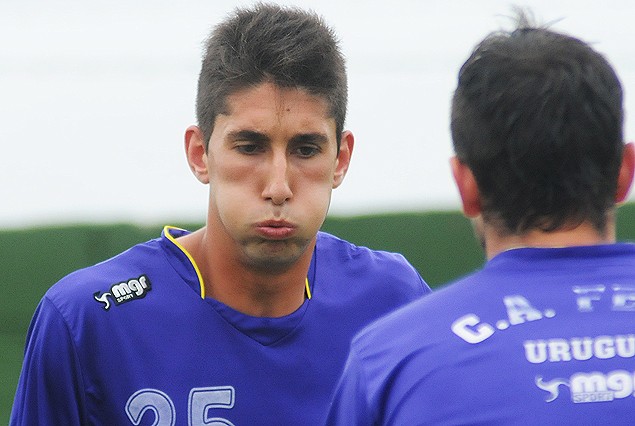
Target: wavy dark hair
[[537, 116]]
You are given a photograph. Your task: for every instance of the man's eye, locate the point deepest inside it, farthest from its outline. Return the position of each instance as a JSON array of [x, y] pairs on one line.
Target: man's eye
[[248, 148], [307, 150]]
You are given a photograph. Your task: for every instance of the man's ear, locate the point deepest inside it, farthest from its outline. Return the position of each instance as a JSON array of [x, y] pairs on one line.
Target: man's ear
[[625, 177], [468, 189], [196, 153], [347, 143]]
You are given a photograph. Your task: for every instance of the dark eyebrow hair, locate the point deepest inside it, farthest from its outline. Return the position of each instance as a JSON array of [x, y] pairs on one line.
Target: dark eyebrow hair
[[316, 138], [249, 135], [255, 136]]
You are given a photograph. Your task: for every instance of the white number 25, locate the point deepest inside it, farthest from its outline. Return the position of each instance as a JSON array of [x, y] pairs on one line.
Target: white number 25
[[201, 400]]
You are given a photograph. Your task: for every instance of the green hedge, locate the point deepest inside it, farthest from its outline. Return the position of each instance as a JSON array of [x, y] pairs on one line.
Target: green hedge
[[439, 244]]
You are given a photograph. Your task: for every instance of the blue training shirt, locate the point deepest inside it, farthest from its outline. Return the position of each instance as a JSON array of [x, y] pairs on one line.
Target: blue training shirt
[[131, 341], [538, 336]]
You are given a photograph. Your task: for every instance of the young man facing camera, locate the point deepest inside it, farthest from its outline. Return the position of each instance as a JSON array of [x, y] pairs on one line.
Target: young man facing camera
[[543, 334], [247, 320]]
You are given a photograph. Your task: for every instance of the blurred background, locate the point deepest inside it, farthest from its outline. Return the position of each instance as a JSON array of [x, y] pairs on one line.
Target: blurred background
[[95, 98]]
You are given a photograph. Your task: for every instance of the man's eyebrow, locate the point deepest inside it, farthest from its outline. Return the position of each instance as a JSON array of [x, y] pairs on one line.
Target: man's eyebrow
[[247, 135], [316, 138]]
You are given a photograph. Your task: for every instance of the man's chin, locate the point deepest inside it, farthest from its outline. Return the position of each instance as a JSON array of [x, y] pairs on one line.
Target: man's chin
[[271, 265], [274, 257]]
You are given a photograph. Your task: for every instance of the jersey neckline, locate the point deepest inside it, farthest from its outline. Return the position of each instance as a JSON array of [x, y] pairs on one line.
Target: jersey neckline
[[264, 330]]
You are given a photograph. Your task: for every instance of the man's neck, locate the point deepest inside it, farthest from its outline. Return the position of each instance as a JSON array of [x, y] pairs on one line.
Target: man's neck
[[251, 292], [584, 234]]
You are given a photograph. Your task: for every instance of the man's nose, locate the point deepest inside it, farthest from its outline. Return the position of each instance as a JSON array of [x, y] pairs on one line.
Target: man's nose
[[277, 188]]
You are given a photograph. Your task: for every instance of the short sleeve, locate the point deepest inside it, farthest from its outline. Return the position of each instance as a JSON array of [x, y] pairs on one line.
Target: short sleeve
[[50, 386]]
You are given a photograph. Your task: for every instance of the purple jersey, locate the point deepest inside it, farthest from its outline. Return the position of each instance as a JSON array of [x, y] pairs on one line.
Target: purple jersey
[[131, 341], [538, 336]]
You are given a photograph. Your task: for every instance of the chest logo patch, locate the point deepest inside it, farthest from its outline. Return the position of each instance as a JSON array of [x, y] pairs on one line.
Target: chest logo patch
[[127, 291]]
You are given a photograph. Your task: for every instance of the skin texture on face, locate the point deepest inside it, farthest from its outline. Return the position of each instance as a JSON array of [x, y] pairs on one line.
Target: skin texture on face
[[271, 165]]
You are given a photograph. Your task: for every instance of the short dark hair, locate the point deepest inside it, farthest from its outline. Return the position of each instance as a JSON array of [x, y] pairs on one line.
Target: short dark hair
[[287, 46], [537, 116]]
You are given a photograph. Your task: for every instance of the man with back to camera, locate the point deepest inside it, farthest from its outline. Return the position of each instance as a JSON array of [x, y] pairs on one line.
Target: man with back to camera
[[247, 320], [544, 333]]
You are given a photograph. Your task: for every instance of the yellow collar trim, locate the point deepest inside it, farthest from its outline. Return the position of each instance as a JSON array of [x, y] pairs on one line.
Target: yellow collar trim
[[307, 288], [166, 231]]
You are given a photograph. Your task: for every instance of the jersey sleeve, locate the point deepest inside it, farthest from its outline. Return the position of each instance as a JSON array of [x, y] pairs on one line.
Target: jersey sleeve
[[350, 406], [50, 386], [410, 276]]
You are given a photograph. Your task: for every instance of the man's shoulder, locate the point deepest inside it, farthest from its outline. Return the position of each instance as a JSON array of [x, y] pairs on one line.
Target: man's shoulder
[[359, 269], [125, 268], [337, 248]]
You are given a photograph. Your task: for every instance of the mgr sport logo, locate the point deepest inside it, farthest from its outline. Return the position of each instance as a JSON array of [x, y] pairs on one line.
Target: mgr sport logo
[[592, 387], [133, 289]]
